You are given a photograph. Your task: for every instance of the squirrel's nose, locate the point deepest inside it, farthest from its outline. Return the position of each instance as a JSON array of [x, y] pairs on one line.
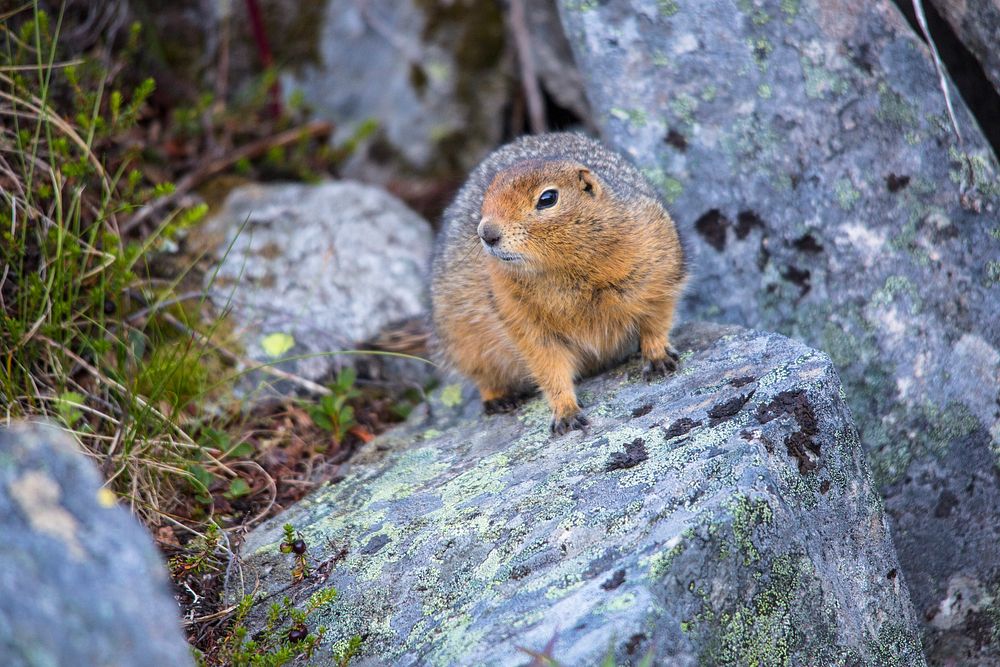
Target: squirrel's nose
[[489, 232]]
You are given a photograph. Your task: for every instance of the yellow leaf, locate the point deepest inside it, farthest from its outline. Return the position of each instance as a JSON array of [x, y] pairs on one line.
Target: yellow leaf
[[451, 395], [276, 344], [106, 497]]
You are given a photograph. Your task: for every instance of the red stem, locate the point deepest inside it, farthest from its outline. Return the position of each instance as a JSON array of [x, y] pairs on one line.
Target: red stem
[[264, 51]]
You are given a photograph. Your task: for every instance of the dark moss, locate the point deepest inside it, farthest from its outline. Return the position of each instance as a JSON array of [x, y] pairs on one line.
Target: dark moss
[[896, 183], [807, 243], [746, 222], [712, 226], [680, 427], [616, 580], [642, 410], [802, 442], [676, 139], [634, 454], [800, 277], [728, 409]]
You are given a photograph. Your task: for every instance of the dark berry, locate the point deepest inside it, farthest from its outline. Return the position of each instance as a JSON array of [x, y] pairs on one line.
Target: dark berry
[[298, 633]]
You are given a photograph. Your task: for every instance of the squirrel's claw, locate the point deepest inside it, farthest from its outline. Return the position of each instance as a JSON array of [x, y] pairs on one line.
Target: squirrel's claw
[[563, 425], [501, 405], [673, 354], [660, 367]]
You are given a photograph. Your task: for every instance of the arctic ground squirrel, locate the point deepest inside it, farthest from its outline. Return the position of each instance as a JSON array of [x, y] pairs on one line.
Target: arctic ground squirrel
[[556, 257]]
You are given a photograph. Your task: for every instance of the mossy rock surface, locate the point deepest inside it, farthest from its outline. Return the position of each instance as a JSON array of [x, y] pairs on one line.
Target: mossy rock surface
[[720, 516], [805, 149]]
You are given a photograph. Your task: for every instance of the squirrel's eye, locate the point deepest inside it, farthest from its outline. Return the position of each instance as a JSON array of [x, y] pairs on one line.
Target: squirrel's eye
[[547, 199]]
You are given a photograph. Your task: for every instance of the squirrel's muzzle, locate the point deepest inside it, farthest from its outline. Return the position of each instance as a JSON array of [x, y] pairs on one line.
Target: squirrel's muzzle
[[489, 232]]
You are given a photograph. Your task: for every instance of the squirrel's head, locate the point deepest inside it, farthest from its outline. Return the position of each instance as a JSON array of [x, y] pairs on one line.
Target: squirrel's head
[[540, 214]]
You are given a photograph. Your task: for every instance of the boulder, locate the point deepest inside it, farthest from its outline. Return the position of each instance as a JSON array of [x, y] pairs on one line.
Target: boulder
[[805, 149], [309, 270], [721, 516], [431, 75], [977, 25], [80, 580]]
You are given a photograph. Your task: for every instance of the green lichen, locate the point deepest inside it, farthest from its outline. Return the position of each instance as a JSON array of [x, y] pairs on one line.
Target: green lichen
[[660, 58], [684, 106], [760, 49], [757, 14], [790, 8], [847, 196], [668, 186], [819, 81], [764, 91], [892, 288], [893, 448], [668, 7], [635, 116], [761, 632], [660, 562], [893, 109], [974, 170], [747, 516], [894, 646]]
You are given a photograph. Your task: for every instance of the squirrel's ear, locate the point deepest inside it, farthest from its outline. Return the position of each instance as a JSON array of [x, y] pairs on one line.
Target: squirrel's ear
[[588, 182]]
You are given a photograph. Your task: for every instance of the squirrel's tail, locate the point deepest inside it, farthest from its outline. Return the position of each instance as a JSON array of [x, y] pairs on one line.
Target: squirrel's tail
[[411, 335]]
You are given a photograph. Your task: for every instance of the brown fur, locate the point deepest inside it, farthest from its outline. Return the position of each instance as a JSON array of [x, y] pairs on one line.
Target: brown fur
[[583, 281]]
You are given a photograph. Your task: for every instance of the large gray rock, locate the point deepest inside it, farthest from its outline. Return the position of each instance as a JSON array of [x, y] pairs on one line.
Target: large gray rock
[[722, 516], [977, 24], [432, 75], [805, 148], [328, 265], [80, 580]]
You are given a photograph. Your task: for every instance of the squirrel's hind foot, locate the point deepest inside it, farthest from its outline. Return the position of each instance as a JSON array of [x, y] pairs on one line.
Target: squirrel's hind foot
[[506, 403], [660, 367]]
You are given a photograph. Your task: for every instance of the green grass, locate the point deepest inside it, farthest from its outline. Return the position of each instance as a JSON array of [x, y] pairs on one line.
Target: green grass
[[83, 340]]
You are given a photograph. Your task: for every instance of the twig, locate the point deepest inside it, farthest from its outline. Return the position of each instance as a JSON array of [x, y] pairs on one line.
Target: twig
[[526, 57], [208, 169], [918, 7]]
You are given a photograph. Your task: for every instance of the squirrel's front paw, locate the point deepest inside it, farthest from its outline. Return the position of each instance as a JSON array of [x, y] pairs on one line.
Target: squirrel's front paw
[[562, 425]]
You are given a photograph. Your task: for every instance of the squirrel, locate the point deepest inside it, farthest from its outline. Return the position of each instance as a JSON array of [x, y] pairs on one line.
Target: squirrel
[[555, 257]]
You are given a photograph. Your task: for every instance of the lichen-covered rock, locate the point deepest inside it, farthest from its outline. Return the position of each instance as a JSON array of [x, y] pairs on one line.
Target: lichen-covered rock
[[806, 149], [722, 516], [314, 269], [80, 581], [977, 24]]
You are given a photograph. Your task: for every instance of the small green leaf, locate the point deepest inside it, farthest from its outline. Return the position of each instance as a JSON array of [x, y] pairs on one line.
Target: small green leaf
[[277, 344], [451, 395], [243, 450], [66, 407], [237, 489], [201, 478]]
